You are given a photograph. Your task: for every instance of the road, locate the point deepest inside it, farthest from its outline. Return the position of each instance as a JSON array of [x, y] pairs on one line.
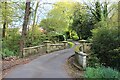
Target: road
[[47, 66]]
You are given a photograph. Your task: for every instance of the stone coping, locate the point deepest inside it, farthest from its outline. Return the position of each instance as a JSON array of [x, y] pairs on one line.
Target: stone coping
[[81, 53], [34, 47]]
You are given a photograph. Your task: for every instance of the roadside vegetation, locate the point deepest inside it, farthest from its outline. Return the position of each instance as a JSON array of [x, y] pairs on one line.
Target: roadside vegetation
[[95, 22]]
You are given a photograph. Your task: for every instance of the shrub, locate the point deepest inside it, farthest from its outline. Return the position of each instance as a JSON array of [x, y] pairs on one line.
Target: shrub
[[75, 38], [101, 72], [93, 61], [11, 42], [105, 40], [71, 44], [67, 33], [7, 53], [34, 38]]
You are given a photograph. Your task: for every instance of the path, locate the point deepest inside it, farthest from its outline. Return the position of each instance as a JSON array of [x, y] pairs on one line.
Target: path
[[46, 66]]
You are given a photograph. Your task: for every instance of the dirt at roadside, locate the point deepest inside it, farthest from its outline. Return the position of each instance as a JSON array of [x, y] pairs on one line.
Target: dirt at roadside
[[72, 70]]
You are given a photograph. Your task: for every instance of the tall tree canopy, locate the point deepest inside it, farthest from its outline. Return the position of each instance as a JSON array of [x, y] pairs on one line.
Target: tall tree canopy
[[6, 14], [81, 21], [58, 18]]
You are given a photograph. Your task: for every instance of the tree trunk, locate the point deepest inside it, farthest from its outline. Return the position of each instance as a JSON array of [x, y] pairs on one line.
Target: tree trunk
[[4, 29], [24, 29], [34, 20], [35, 14], [5, 22]]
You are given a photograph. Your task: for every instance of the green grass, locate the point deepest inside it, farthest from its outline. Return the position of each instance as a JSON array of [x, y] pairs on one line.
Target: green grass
[[101, 72]]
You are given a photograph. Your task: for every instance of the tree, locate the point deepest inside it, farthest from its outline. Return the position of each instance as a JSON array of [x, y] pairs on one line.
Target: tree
[[37, 5], [24, 29], [63, 12], [81, 21], [101, 11], [7, 15], [58, 19], [105, 44]]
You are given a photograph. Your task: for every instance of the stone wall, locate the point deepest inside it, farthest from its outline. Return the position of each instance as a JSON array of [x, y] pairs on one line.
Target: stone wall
[[46, 48], [33, 50]]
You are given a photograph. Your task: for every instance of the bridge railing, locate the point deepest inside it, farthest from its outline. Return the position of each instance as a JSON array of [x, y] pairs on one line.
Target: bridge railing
[[53, 47], [46, 48], [81, 53], [33, 50], [81, 58]]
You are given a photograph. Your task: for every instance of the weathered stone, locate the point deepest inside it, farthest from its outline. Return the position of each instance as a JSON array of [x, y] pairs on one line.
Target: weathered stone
[[81, 59]]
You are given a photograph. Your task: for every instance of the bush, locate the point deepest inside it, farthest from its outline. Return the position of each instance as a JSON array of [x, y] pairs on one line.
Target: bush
[[75, 38], [11, 42], [67, 33], [34, 38], [71, 44], [93, 61], [101, 72], [105, 40], [7, 53]]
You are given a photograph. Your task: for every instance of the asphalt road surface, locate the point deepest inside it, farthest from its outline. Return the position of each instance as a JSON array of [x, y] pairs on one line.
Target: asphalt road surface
[[46, 66]]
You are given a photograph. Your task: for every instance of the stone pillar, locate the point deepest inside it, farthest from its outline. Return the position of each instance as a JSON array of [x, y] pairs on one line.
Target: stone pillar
[[82, 59], [65, 44], [84, 62], [83, 44], [47, 46]]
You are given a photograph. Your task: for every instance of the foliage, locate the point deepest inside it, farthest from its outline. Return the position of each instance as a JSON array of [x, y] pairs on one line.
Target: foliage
[[58, 18], [75, 38], [105, 42], [7, 53], [35, 37], [57, 38], [81, 21], [93, 61], [11, 41], [62, 11], [7, 12], [99, 10], [71, 44], [67, 34], [102, 73]]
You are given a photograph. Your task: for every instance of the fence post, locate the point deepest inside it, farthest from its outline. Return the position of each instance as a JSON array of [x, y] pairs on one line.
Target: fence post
[[65, 44], [47, 45]]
